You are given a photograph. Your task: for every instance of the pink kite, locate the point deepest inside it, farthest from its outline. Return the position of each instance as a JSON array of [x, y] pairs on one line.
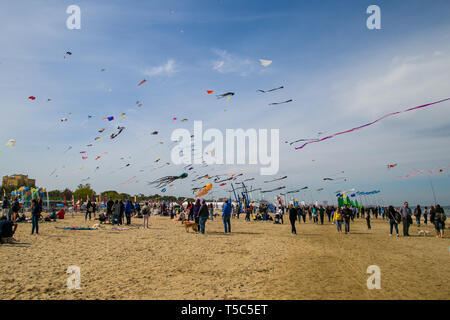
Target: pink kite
[[371, 123]]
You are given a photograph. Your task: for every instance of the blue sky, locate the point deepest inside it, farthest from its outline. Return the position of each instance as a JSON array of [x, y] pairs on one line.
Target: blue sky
[[339, 74]]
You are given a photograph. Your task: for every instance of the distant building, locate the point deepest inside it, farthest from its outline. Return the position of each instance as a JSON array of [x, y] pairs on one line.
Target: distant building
[[18, 180]]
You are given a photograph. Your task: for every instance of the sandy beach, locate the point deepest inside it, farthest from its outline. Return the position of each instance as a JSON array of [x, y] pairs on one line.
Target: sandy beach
[[256, 261]]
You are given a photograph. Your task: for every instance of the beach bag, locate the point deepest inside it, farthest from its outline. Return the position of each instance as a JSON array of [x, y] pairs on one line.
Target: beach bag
[[397, 217], [409, 220]]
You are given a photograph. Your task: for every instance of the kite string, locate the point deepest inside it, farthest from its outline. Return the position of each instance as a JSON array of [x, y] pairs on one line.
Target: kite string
[[371, 123]]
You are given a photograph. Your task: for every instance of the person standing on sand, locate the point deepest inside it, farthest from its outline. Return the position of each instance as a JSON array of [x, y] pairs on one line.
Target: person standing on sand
[[116, 213], [321, 214], [299, 214], [35, 215], [128, 209], [190, 213], [145, 214], [94, 208], [368, 221], [439, 221], [109, 209], [15, 208], [418, 214], [393, 220], [281, 213], [328, 211], [122, 210], [337, 218], [247, 213], [196, 210], [425, 215], [432, 214], [5, 206], [211, 212], [405, 211], [226, 216], [314, 214], [137, 208], [292, 218], [347, 214], [88, 210], [203, 214]]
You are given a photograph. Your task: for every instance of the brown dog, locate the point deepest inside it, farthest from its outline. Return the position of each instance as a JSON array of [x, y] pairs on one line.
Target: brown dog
[[192, 225]]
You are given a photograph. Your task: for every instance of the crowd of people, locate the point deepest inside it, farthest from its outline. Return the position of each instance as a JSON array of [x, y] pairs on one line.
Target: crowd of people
[[120, 212]]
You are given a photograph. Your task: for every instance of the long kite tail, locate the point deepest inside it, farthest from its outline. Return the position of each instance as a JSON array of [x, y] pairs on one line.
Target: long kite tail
[[371, 123]]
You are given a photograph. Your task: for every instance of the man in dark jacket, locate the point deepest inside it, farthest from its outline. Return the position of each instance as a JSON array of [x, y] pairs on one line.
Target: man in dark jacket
[[203, 215], [299, 214], [347, 214], [5, 206], [122, 209], [15, 210], [109, 209], [292, 218], [405, 211], [128, 209]]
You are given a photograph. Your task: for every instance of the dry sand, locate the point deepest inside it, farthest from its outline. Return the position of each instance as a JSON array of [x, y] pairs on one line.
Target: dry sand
[[256, 261]]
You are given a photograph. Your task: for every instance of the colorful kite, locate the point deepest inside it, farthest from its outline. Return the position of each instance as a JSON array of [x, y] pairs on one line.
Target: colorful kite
[[276, 189], [274, 89], [164, 181], [116, 133], [276, 103], [109, 118], [209, 91], [373, 122], [278, 179], [228, 94], [205, 190]]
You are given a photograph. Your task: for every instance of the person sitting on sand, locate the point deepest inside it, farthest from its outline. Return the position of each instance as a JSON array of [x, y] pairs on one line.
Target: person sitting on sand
[[7, 230], [102, 218], [53, 215], [61, 214]]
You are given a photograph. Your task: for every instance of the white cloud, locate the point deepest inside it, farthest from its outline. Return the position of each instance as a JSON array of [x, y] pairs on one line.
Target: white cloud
[[231, 63], [164, 70]]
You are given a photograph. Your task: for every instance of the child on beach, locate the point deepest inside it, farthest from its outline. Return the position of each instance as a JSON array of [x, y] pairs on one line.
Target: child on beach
[[337, 218]]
